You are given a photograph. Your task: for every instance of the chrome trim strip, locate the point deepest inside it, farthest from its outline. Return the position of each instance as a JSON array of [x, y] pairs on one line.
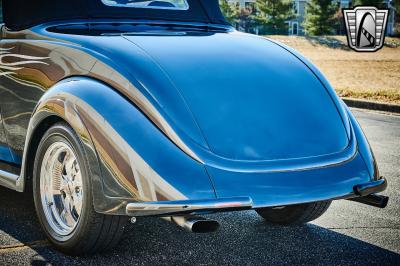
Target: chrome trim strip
[[8, 180], [170, 208]]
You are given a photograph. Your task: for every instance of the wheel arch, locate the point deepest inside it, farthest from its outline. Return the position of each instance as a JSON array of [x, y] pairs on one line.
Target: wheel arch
[[57, 105], [31, 148], [122, 169]]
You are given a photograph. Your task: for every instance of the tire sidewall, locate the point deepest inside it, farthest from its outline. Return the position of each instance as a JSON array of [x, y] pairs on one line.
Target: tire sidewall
[[297, 214], [62, 132]]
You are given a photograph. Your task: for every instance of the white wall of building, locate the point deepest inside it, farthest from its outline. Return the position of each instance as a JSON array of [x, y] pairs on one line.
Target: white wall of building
[[242, 3]]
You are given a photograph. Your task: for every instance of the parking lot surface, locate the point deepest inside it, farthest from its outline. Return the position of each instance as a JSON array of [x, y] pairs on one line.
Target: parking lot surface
[[348, 234]]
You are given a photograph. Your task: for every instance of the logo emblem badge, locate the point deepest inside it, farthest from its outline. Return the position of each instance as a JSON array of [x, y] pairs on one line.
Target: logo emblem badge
[[366, 27]]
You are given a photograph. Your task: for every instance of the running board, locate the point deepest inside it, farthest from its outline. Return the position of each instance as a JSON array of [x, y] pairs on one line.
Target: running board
[[9, 180]]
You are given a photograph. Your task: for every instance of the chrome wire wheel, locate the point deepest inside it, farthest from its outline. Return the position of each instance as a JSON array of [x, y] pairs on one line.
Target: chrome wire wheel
[[61, 188]]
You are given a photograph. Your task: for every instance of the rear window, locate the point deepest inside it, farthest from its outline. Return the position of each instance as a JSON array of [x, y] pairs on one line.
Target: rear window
[[160, 4]]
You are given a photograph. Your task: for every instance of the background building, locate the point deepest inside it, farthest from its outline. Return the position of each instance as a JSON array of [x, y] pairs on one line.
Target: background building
[[299, 7], [242, 3], [295, 25]]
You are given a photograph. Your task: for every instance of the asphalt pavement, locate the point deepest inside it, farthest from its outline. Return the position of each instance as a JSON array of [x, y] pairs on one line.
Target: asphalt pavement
[[348, 234]]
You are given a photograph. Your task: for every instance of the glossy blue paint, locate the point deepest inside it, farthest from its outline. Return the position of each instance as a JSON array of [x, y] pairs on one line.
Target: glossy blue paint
[[262, 120], [338, 102], [291, 187], [168, 161], [364, 148], [5, 154], [251, 99], [239, 77]]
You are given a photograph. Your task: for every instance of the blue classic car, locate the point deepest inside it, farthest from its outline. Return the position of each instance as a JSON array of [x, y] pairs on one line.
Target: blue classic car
[[126, 108]]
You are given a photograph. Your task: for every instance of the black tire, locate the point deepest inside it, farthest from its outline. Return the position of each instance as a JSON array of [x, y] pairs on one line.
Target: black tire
[[294, 214], [94, 232]]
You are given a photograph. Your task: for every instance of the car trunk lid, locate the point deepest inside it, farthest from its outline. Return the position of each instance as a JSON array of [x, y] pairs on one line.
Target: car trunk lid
[[251, 99]]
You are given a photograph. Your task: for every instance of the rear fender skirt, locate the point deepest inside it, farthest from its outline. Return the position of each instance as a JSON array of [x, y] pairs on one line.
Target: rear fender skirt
[[130, 159]]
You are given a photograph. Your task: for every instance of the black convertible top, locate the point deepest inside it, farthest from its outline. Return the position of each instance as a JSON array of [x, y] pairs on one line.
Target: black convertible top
[[22, 14]]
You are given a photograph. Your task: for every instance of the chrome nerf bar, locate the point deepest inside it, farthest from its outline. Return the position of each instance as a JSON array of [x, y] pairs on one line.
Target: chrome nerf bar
[[170, 208]]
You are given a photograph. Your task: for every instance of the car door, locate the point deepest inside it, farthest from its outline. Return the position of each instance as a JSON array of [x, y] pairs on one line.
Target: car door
[[26, 75], [5, 153], [18, 95]]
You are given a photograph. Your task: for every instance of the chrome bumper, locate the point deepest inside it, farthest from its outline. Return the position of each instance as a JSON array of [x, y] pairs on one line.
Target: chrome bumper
[[371, 187], [366, 193], [363, 193], [169, 208]]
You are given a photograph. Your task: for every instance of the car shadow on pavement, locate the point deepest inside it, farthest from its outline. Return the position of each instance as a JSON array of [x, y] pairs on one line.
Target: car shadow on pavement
[[244, 238]]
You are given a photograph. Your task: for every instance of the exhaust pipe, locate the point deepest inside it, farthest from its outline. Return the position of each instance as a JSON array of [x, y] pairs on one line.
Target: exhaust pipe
[[379, 201], [195, 224]]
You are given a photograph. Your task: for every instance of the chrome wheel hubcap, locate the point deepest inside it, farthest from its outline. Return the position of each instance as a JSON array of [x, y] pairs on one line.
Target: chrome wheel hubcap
[[61, 188]]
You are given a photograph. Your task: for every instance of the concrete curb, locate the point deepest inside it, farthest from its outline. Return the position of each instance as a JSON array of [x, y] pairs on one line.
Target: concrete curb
[[364, 104]]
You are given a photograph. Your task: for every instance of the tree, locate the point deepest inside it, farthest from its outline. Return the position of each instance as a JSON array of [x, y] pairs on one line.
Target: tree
[[320, 17], [230, 11], [377, 3], [396, 5], [246, 21], [241, 18], [273, 14]]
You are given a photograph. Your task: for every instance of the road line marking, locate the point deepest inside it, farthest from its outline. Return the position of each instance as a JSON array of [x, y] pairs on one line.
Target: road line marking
[[22, 246]]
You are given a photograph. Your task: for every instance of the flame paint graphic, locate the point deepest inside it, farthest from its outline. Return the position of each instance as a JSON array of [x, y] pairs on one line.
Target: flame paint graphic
[[9, 68]]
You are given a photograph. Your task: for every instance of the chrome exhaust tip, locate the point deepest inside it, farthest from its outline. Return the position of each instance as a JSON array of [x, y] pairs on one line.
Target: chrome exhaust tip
[[195, 224], [379, 201]]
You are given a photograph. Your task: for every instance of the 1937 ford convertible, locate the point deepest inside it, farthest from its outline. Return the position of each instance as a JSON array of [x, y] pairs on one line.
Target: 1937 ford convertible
[[116, 108]]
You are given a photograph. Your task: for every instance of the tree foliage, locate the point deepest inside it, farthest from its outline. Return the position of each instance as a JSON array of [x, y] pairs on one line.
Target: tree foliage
[[396, 5], [274, 14], [240, 18], [320, 17], [377, 3], [229, 10], [246, 19]]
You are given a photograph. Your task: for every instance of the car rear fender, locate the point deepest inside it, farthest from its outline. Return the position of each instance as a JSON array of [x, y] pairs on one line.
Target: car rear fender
[[364, 148], [130, 159]]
